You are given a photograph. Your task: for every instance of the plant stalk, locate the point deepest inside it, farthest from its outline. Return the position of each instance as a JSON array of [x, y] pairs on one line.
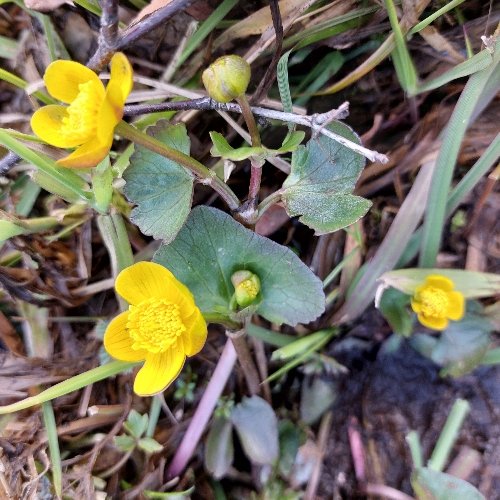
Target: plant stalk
[[202, 173], [247, 364], [203, 412]]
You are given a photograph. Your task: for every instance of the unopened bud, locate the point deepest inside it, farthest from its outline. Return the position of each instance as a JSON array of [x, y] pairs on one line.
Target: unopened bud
[[227, 78], [246, 287]]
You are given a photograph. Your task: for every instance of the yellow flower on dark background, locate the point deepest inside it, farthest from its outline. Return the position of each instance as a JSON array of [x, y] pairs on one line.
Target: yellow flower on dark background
[[162, 326], [89, 121], [435, 302]]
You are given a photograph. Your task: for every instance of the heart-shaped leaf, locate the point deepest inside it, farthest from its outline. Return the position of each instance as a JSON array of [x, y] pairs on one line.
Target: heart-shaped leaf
[[212, 246], [323, 176], [161, 188]]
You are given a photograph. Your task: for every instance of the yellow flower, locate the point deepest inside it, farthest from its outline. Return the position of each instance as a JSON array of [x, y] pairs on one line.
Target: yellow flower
[[93, 112], [435, 302], [162, 326]]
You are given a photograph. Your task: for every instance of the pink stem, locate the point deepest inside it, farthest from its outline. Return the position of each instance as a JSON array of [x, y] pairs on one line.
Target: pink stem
[[204, 411]]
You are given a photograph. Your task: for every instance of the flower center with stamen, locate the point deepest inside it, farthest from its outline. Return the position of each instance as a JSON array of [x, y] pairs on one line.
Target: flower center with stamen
[[250, 287], [80, 123], [434, 302], [154, 325]]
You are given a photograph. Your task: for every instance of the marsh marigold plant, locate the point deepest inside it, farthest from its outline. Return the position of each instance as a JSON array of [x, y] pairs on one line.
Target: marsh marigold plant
[[94, 111], [435, 302], [161, 327]]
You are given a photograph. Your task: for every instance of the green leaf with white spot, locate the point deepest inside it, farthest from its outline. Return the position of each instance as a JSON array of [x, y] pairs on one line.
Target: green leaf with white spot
[[319, 187], [161, 188], [212, 246]]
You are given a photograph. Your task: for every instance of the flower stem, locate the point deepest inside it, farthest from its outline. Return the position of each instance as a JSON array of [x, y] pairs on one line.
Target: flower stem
[[202, 173], [249, 120], [256, 163], [247, 364], [203, 411]]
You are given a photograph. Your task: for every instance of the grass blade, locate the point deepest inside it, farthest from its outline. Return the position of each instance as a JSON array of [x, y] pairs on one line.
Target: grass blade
[[445, 164]]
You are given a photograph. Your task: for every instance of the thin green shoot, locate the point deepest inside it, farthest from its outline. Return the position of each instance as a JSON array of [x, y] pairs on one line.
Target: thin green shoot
[[403, 63], [154, 415], [448, 435], [50, 425], [413, 441]]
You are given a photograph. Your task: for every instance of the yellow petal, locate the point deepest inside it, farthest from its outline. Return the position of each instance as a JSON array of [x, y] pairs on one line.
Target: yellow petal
[[47, 122], [63, 77], [456, 306], [159, 371], [416, 305], [433, 322], [144, 280], [110, 112], [118, 343], [438, 281], [88, 154], [117, 91], [121, 74], [196, 335]]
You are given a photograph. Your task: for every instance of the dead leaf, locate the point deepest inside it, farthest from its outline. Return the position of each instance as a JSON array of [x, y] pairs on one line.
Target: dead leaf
[[46, 5], [149, 9]]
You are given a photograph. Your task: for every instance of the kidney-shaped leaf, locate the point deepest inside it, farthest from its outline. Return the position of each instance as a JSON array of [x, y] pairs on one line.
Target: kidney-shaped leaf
[[257, 427], [323, 176], [161, 188], [211, 246]]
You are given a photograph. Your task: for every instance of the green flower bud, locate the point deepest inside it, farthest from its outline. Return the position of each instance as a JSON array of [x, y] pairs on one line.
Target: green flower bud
[[246, 287], [227, 78]]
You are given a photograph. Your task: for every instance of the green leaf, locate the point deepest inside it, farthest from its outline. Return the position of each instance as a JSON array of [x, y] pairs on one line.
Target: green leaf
[[316, 397], [394, 307], [9, 229], [290, 437], [257, 427], [283, 85], [462, 345], [136, 424], [323, 176], [221, 147], [292, 141], [125, 443], [432, 485], [219, 450], [212, 246], [170, 495], [299, 346], [102, 184], [161, 188], [149, 445]]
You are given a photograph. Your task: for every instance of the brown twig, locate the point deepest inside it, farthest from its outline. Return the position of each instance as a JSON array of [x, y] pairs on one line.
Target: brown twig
[[245, 360], [132, 33], [270, 74], [323, 433]]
